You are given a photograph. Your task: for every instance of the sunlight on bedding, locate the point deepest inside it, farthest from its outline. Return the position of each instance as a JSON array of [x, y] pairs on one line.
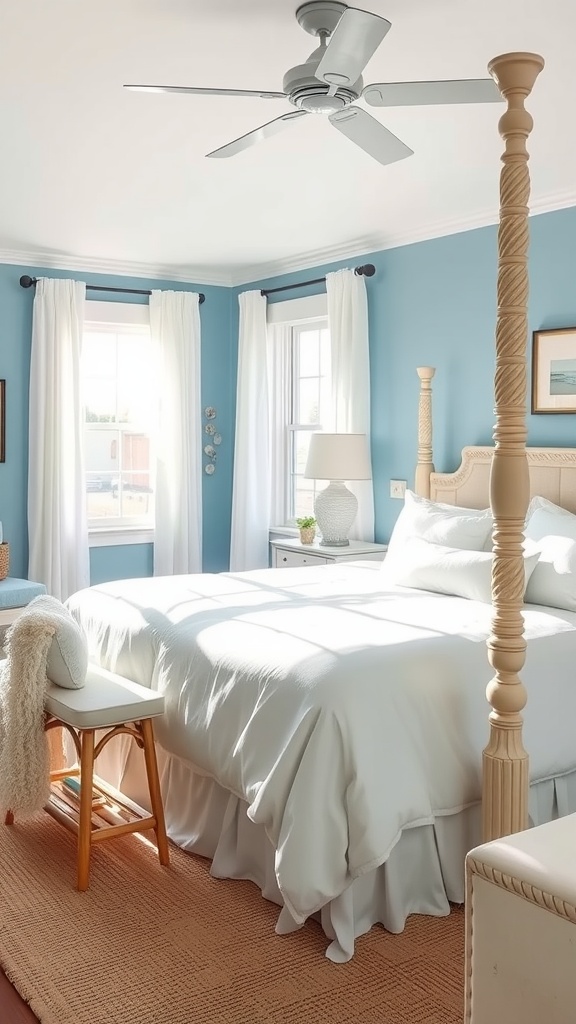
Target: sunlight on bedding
[[302, 690]]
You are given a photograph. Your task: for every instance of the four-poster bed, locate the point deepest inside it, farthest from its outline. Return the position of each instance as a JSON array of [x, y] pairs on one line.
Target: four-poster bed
[[505, 762], [324, 730]]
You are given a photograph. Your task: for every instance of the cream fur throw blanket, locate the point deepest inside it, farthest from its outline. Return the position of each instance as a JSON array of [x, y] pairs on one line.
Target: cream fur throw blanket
[[24, 757]]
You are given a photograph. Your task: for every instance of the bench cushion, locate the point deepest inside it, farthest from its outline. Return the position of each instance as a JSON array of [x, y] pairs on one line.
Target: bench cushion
[[105, 700], [17, 593]]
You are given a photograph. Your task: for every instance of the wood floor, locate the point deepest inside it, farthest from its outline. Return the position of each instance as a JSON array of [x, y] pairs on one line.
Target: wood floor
[[12, 1009]]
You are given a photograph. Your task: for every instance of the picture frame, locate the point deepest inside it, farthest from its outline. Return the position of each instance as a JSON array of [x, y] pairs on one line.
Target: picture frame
[[2, 421], [554, 371]]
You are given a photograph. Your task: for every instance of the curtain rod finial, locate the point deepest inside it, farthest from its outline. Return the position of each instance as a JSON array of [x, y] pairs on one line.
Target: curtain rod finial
[[26, 281]]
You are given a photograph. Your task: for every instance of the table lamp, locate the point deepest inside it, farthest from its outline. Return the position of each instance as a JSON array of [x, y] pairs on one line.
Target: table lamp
[[337, 457]]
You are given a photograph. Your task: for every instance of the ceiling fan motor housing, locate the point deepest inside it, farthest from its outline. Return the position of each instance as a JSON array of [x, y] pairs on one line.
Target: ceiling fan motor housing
[[306, 91]]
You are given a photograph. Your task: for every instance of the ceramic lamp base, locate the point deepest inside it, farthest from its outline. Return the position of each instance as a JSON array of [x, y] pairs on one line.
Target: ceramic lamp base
[[335, 509]]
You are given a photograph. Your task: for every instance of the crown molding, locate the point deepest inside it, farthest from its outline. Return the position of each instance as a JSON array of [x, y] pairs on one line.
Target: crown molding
[[307, 261], [555, 201], [235, 276], [114, 268], [378, 243]]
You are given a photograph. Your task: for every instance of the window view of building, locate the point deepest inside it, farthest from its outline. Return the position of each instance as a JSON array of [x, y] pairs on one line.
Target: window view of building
[[120, 414]]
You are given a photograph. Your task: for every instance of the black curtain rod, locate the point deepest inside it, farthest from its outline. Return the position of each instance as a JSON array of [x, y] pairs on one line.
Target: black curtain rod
[[368, 270], [29, 282]]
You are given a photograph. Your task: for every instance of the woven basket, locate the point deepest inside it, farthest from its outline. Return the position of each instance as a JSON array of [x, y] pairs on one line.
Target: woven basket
[[4, 560]]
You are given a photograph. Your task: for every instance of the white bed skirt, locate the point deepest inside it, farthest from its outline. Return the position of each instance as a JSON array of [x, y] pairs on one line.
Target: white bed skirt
[[423, 874]]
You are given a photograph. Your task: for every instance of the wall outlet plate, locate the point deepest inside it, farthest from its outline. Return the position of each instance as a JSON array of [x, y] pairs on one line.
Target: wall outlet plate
[[397, 488]]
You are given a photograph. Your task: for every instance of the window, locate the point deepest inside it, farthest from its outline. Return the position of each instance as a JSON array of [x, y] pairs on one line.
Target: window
[[120, 410], [300, 391], [310, 398]]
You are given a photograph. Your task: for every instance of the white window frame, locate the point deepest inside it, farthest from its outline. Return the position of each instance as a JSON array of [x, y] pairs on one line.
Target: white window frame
[[295, 427], [103, 315], [296, 314]]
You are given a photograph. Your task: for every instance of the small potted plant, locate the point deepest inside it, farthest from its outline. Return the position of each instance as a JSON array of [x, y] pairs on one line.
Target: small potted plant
[[307, 527]]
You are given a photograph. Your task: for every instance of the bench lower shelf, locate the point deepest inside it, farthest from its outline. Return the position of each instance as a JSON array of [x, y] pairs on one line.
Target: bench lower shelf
[[115, 816]]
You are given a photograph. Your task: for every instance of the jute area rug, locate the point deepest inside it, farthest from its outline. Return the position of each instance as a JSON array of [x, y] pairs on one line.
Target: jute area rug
[[152, 945]]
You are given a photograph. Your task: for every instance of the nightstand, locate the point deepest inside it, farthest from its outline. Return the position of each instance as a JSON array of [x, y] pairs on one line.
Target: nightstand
[[288, 552]]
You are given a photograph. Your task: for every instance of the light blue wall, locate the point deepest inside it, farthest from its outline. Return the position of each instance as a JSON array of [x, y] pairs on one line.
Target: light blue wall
[[217, 389], [431, 303], [124, 561]]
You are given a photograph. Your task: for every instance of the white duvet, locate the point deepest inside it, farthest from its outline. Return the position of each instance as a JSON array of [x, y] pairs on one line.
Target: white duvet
[[342, 712]]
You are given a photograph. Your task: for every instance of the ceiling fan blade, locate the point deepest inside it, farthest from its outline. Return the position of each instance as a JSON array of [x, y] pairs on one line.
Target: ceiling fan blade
[[403, 94], [355, 39], [258, 135], [207, 92], [370, 135]]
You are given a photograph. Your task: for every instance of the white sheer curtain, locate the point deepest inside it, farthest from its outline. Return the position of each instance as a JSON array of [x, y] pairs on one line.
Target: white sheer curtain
[[350, 357], [251, 483], [57, 519], [279, 377], [175, 327]]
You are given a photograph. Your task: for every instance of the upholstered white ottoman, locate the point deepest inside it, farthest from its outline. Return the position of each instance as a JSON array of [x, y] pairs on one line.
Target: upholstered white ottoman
[[521, 927]]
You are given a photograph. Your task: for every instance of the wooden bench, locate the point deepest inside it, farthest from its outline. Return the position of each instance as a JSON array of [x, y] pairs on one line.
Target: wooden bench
[[116, 705]]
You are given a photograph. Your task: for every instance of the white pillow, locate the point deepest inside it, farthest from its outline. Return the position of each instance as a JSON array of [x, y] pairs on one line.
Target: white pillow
[[446, 570], [455, 527], [544, 518], [553, 529], [67, 661]]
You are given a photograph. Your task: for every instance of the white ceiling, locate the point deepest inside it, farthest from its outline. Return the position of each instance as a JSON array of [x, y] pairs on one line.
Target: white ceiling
[[96, 177]]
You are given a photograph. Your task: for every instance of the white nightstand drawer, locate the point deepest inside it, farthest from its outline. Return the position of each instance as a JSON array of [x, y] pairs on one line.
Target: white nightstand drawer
[[290, 552], [289, 559]]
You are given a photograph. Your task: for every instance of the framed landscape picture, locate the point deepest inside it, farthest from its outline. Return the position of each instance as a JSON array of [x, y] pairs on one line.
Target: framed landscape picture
[[554, 371]]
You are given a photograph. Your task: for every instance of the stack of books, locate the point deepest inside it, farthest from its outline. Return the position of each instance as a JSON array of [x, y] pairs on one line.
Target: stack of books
[[71, 787]]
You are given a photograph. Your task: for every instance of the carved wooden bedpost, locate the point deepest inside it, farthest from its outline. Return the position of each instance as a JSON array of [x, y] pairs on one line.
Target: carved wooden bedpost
[[505, 762], [424, 466]]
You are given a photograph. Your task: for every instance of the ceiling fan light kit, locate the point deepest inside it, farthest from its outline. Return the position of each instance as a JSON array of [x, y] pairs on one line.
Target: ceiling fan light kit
[[330, 82]]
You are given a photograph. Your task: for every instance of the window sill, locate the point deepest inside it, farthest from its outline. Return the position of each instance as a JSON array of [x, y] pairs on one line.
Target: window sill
[[116, 536], [283, 531]]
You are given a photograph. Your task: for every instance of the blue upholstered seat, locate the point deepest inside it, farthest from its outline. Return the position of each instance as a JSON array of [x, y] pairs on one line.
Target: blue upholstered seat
[[17, 593]]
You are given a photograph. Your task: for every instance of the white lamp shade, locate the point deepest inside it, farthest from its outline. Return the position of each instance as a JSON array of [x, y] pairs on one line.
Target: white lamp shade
[[338, 457]]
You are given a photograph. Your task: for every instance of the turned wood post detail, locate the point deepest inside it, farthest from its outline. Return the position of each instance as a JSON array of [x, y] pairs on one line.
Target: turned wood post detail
[[505, 762], [424, 466]]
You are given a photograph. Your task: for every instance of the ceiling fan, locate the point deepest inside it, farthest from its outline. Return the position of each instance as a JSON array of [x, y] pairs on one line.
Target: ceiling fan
[[330, 81]]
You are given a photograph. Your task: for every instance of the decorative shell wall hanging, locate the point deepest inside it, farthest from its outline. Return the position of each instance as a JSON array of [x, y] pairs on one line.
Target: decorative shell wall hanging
[[215, 438]]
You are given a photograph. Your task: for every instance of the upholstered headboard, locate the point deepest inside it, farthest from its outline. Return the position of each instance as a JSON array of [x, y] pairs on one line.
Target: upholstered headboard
[[552, 475]]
